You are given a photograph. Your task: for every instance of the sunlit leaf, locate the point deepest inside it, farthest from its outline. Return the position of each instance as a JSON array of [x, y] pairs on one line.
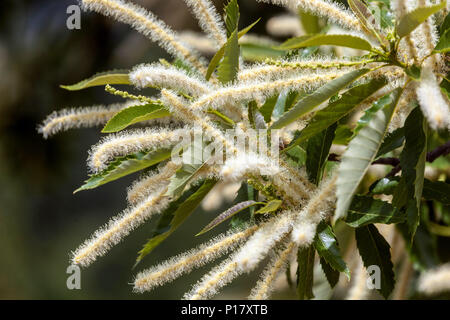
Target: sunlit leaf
[[341, 40], [416, 17], [311, 101], [135, 114], [339, 109], [124, 166], [101, 79], [271, 206], [361, 152]]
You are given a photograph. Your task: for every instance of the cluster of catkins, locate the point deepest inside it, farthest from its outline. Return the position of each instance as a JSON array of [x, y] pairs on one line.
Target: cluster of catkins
[[189, 98]]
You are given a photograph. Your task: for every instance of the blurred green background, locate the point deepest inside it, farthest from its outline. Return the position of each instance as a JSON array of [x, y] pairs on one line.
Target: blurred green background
[[41, 221]]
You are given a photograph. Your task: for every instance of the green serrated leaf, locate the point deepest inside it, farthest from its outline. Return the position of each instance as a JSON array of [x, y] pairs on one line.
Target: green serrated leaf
[[317, 152], [229, 66], [135, 114], [271, 206], [340, 40], [175, 215], [124, 166], [392, 141], [101, 79], [305, 273], [413, 19], [296, 156], [231, 16], [311, 101], [331, 274], [361, 152], [375, 251], [327, 247], [412, 160], [219, 54], [366, 210], [228, 214], [267, 108], [339, 109]]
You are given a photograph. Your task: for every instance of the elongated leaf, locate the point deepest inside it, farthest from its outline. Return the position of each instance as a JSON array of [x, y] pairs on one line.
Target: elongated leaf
[[305, 273], [339, 109], [101, 79], [432, 190], [327, 247], [413, 19], [267, 108], [229, 66], [219, 54], [341, 40], [412, 160], [231, 16], [319, 96], [366, 210], [331, 274], [368, 21], [375, 251], [175, 215], [392, 141], [135, 114], [361, 152], [271, 206], [228, 214], [181, 178], [255, 52], [124, 166], [317, 152]]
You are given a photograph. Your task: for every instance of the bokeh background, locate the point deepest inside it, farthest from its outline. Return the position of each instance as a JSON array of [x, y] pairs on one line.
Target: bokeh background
[[41, 221]]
